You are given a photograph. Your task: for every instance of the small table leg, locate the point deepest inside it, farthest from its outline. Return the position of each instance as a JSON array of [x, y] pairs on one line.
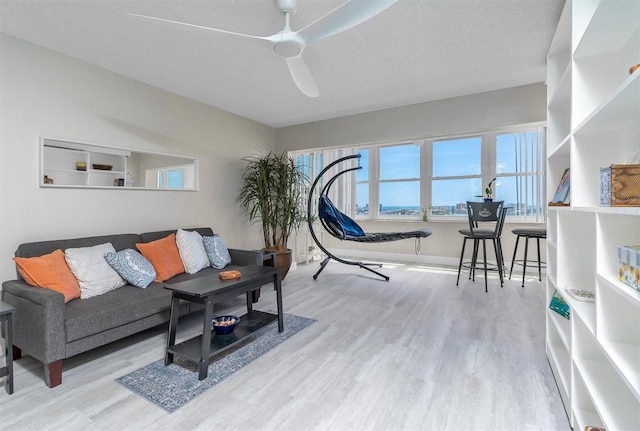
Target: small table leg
[[249, 301], [9, 355], [173, 327], [277, 285], [205, 348]]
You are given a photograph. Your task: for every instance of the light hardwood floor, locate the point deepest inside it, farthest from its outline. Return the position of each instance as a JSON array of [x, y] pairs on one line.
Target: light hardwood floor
[[414, 353]]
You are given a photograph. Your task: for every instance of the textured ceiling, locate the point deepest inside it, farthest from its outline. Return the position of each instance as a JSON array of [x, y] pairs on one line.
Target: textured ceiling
[[415, 51]]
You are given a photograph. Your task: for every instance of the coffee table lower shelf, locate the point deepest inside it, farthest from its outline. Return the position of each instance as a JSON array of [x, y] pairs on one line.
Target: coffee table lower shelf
[[249, 324]]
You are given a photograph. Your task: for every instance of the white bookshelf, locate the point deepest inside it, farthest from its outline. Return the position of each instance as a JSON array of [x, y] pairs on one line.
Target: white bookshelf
[[59, 160], [126, 169], [593, 106]]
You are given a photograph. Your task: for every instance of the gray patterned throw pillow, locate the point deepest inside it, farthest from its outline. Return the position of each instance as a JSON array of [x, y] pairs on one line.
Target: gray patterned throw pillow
[[132, 266], [217, 251]]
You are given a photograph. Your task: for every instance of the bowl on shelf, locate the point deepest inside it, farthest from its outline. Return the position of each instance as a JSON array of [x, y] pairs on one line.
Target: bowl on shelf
[[100, 167], [224, 324]]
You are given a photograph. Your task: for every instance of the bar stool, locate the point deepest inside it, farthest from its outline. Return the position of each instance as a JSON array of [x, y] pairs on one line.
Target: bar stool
[[478, 213], [528, 232]]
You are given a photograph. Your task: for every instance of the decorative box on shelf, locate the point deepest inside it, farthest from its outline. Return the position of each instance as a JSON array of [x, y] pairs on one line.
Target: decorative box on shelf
[[620, 186], [629, 265]]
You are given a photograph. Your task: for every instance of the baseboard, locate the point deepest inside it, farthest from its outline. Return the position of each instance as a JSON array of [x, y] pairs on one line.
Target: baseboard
[[376, 256]]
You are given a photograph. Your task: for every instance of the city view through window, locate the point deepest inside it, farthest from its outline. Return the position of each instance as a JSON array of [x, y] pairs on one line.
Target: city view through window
[[456, 176]]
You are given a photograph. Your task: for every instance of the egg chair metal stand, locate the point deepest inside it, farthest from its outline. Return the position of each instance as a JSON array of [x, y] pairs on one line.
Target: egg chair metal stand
[[342, 227]]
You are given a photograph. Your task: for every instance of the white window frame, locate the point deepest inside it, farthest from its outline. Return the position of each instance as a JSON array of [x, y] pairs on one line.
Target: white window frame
[[152, 177], [427, 160], [488, 172]]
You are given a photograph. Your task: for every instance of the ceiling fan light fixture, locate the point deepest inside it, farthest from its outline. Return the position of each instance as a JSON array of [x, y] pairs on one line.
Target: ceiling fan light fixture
[[288, 48]]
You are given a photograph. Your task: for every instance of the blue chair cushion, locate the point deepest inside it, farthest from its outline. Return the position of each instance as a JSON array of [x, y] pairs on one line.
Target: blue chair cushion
[[332, 216]]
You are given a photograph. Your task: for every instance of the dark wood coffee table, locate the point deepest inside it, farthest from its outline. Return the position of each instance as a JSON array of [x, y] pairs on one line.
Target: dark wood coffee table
[[208, 289]]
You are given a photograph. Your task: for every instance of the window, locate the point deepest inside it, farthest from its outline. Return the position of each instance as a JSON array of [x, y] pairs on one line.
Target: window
[[401, 181], [173, 177], [520, 162], [311, 164], [456, 174], [170, 178], [362, 184]]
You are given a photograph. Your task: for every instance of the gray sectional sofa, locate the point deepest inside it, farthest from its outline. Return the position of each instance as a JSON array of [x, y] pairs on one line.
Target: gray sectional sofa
[[49, 330]]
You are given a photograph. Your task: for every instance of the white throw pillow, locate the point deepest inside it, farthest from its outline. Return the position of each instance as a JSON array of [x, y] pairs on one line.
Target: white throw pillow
[[194, 256], [95, 276]]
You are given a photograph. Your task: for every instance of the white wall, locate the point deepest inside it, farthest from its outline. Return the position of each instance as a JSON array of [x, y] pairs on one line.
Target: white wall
[[47, 94], [473, 113]]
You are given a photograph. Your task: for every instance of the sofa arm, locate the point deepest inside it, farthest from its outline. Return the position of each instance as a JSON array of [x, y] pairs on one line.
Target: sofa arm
[[38, 323], [245, 257]]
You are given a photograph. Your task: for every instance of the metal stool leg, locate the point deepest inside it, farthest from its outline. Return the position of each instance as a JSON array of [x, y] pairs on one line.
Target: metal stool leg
[[496, 248], [484, 257], [513, 259], [524, 264], [464, 243], [474, 260], [539, 261]]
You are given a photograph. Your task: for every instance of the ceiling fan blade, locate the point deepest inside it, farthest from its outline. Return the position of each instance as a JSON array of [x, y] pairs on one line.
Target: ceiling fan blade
[[302, 76], [200, 27], [343, 18]]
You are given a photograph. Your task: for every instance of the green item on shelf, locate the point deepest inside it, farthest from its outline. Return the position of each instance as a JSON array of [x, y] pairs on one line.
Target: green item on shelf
[[559, 305]]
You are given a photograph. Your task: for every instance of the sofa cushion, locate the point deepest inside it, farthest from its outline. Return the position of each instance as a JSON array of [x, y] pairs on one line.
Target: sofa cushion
[[216, 250], [164, 256], [93, 273], [194, 256], [115, 308], [132, 266], [49, 271]]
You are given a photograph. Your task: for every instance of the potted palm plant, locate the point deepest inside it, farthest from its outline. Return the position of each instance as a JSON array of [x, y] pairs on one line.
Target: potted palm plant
[[272, 194]]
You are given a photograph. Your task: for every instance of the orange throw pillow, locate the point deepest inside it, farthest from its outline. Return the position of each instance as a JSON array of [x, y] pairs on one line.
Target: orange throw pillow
[[164, 256], [51, 272]]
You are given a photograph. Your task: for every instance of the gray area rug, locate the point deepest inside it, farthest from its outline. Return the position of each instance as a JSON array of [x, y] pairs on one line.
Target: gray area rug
[[172, 387]]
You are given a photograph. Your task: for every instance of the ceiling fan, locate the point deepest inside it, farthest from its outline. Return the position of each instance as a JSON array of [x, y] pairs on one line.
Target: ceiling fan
[[290, 44]]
